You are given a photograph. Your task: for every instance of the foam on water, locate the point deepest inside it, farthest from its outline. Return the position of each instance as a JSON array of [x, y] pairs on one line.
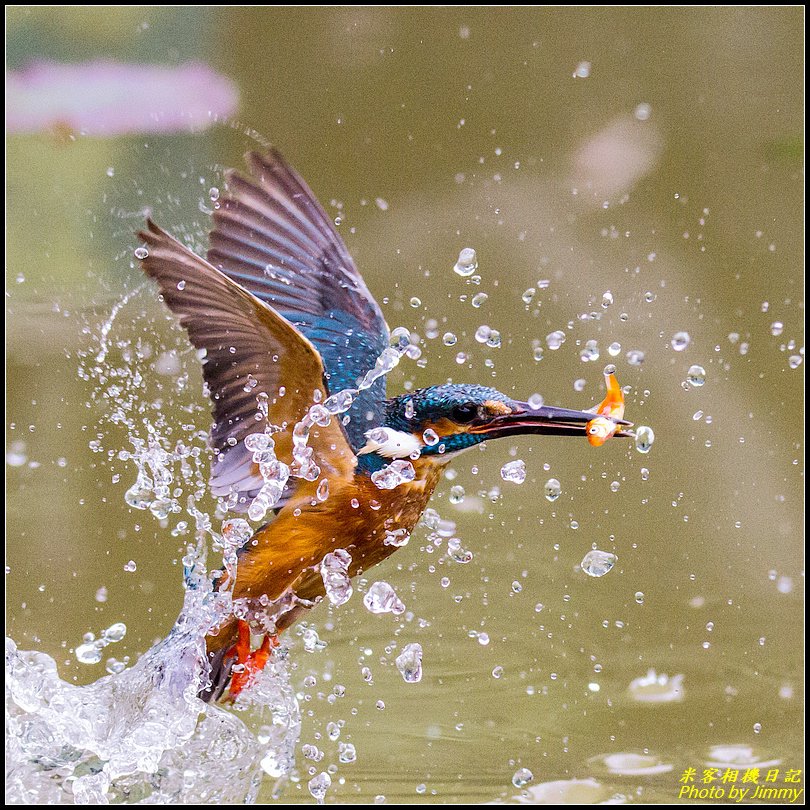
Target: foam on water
[[142, 735]]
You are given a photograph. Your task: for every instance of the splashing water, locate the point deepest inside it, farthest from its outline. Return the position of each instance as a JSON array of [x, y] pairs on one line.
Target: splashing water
[[142, 734]]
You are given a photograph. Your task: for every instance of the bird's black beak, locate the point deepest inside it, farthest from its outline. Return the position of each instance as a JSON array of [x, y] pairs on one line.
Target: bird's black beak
[[545, 420]]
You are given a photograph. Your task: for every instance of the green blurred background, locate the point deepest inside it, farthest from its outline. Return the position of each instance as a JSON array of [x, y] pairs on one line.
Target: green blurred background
[[425, 131]]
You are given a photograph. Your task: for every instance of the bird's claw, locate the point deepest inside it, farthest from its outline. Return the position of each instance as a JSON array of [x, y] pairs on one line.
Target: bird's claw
[[250, 663]]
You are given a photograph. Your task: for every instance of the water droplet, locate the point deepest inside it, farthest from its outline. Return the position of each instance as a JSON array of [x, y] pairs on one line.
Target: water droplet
[[614, 349], [346, 752], [114, 632], [639, 597], [607, 299], [482, 333], [536, 402], [644, 439], [416, 302], [514, 471], [528, 295], [642, 112], [597, 563], [696, 376], [130, 566], [335, 575], [635, 357], [430, 437], [456, 494], [590, 353], [382, 598], [777, 327], [318, 786], [522, 778], [795, 360], [141, 253], [467, 262], [555, 339], [680, 341], [583, 70], [89, 652], [449, 339], [17, 456], [497, 672], [478, 299], [393, 474], [409, 663], [553, 489]]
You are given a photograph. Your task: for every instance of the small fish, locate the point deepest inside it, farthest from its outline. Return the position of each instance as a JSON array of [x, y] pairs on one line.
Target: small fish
[[600, 429]]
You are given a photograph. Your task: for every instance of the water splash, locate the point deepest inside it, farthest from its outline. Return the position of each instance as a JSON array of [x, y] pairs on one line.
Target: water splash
[[142, 735]]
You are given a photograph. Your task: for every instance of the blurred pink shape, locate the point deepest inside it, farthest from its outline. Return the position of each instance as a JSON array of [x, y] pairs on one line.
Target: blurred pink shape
[[114, 98], [613, 160]]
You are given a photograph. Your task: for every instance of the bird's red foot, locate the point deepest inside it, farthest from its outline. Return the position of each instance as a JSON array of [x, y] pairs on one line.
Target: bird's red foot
[[249, 663]]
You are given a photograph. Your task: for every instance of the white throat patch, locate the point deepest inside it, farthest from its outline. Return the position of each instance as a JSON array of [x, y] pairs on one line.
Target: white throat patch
[[391, 443]]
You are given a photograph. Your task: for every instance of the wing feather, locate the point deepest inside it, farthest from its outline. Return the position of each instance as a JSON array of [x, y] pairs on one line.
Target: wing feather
[[273, 237], [251, 350]]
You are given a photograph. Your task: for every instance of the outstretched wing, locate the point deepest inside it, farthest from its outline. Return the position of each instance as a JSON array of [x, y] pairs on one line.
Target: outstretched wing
[[253, 355], [272, 236]]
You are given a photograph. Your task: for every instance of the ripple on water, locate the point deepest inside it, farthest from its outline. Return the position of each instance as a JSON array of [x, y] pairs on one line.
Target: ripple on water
[[569, 791], [655, 688], [631, 764], [739, 755]]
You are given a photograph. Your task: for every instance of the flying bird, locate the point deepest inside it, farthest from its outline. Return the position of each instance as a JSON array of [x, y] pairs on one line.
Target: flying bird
[[286, 322]]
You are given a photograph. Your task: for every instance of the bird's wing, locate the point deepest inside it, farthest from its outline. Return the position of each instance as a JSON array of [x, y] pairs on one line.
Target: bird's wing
[[252, 355], [273, 237]]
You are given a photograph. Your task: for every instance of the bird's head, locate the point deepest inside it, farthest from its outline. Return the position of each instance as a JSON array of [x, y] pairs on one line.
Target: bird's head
[[446, 419]]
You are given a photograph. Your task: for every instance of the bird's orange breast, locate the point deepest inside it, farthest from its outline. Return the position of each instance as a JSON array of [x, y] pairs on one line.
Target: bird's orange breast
[[357, 516]]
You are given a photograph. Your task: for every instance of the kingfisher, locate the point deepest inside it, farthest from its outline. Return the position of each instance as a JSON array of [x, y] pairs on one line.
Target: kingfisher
[[283, 321]]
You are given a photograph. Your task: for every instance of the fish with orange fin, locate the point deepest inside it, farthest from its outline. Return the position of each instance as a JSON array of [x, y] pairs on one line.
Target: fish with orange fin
[[610, 411]]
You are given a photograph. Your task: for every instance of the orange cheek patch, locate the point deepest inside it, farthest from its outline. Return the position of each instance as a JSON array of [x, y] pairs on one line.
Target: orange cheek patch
[[496, 408]]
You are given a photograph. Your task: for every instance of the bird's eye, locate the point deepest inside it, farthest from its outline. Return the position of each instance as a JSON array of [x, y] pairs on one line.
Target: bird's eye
[[465, 413]]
